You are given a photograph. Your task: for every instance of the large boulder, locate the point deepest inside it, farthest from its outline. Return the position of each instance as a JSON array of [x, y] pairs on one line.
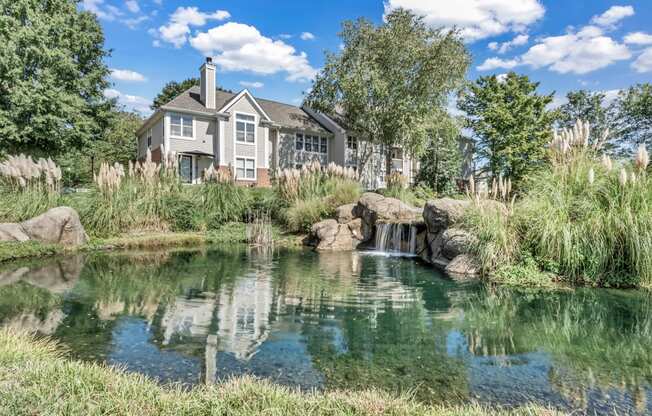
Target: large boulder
[[59, 225], [373, 208], [333, 236], [439, 214], [345, 213], [463, 266], [456, 241]]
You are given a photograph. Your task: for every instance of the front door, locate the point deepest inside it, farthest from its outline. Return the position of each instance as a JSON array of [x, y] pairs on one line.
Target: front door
[[185, 168]]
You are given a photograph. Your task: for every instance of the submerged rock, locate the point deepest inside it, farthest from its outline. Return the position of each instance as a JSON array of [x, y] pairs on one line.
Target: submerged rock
[[59, 225]]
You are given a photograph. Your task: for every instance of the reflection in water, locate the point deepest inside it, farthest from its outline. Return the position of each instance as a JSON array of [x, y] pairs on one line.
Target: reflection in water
[[338, 320]]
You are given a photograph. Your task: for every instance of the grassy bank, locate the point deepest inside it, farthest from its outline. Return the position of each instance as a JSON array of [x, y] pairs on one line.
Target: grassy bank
[[35, 379], [230, 233]]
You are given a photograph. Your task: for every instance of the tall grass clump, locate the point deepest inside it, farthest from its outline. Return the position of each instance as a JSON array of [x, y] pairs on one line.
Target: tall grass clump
[[398, 187], [28, 188], [312, 193], [220, 199], [583, 217], [134, 200]]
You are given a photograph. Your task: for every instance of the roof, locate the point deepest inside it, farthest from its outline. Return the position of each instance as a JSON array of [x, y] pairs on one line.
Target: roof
[[284, 114]]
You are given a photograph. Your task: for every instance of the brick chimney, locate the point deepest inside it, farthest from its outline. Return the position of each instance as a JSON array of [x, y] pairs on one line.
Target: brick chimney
[[207, 83]]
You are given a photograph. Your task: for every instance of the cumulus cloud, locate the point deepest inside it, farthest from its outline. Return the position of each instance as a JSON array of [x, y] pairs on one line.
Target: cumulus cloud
[[177, 30], [252, 84], [127, 75], [132, 6], [477, 19], [580, 53], [506, 46], [638, 38], [612, 16], [644, 62], [101, 10], [240, 47], [307, 36], [130, 102], [495, 63]]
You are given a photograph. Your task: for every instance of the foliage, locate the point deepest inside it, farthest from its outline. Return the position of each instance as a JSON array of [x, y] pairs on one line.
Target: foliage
[[582, 218], [389, 79], [633, 109], [312, 193], [441, 162], [171, 90], [14, 250], [589, 106], [39, 380], [510, 123], [52, 76]]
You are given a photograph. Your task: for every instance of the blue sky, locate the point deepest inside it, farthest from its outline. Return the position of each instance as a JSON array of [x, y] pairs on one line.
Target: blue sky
[[275, 48]]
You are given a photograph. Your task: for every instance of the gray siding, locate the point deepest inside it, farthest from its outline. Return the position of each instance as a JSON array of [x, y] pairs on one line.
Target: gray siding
[[244, 105], [204, 138], [157, 137]]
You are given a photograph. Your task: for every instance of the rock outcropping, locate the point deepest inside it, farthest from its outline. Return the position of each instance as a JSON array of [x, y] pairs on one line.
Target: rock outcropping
[[59, 225], [374, 208]]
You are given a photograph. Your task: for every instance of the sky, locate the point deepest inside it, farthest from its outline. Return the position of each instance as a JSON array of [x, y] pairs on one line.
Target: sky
[[274, 49]]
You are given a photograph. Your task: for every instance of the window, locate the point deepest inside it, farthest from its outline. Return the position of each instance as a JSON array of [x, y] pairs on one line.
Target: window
[[351, 143], [185, 168], [397, 153], [245, 128], [299, 142], [324, 145], [181, 126], [315, 144], [245, 168], [308, 144], [149, 138]]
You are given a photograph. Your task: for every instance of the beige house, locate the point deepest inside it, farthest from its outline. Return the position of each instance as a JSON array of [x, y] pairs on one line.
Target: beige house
[[254, 137]]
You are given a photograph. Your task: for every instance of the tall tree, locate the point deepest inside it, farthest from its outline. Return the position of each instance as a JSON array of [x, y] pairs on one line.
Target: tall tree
[[388, 79], [633, 109], [441, 162], [588, 106], [510, 123], [171, 90], [52, 76]]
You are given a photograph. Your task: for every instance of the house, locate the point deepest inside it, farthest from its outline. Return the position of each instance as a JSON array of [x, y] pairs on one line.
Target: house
[[254, 137]]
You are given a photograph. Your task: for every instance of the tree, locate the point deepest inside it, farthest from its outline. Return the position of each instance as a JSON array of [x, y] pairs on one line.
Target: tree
[[633, 109], [171, 90], [389, 79], [52, 76], [441, 162], [510, 122], [587, 106]]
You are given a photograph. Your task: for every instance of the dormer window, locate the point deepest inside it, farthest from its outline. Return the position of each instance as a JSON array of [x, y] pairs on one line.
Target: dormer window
[[245, 128], [181, 126]]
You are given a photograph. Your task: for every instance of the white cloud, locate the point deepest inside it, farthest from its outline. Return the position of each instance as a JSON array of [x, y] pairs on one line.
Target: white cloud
[[519, 40], [495, 63], [177, 30], [240, 47], [580, 53], [158, 2], [156, 43], [254, 84], [102, 11], [638, 38], [132, 23], [613, 15], [307, 36], [127, 75], [501, 77], [477, 19], [609, 97], [644, 62], [131, 102], [132, 6]]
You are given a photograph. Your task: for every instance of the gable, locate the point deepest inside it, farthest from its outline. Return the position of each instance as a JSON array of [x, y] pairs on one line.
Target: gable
[[244, 102]]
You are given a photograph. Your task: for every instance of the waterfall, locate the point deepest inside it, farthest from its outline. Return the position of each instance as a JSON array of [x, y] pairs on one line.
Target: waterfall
[[396, 237]]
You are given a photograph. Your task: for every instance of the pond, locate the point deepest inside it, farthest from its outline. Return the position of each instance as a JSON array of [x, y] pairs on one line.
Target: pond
[[339, 321]]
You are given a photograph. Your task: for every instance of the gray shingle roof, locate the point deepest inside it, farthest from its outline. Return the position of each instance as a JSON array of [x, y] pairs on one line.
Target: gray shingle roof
[[284, 114]]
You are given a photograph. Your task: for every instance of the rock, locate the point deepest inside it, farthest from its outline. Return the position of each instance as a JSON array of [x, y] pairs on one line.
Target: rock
[[12, 232], [463, 266], [344, 214], [455, 242], [440, 214], [331, 235], [59, 225], [356, 228], [373, 207]]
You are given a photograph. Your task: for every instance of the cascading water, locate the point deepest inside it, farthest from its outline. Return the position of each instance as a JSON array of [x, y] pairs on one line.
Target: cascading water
[[396, 237]]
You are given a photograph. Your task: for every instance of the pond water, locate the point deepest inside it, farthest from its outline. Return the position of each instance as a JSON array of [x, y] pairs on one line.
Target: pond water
[[339, 320]]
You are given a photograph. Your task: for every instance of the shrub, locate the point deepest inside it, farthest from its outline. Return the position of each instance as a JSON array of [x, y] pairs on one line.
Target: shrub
[[301, 215], [221, 200]]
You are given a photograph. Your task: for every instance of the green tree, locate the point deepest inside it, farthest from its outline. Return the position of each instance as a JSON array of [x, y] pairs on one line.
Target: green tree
[[441, 162], [389, 79], [171, 90], [510, 122], [52, 76], [588, 106], [633, 109]]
